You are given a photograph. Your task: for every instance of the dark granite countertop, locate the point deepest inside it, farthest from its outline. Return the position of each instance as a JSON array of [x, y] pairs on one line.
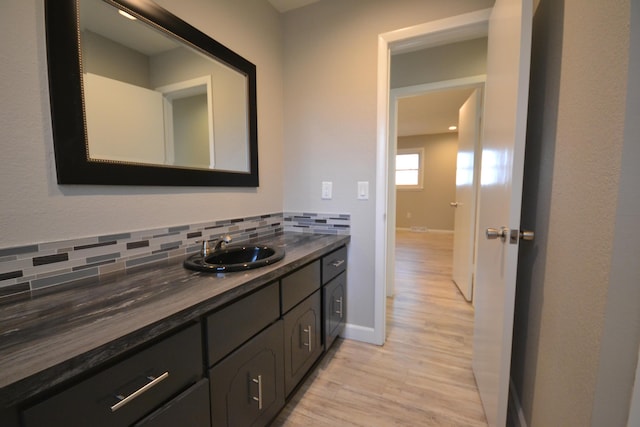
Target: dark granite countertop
[[50, 338]]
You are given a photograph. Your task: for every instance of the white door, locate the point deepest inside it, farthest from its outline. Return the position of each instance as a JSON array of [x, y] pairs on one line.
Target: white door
[[466, 185], [505, 116]]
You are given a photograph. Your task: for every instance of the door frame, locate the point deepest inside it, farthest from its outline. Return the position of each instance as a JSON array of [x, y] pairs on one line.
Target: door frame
[[444, 31], [395, 95]]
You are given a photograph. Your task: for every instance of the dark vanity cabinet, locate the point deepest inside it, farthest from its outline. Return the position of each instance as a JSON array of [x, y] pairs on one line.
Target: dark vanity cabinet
[[246, 374], [247, 387], [233, 325], [132, 389], [302, 323], [334, 292], [233, 366], [189, 408]]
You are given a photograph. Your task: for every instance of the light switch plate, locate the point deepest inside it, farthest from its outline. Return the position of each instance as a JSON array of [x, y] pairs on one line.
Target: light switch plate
[[327, 190], [363, 190]]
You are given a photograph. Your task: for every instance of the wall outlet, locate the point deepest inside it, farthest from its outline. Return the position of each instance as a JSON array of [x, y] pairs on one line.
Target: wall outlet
[[327, 190]]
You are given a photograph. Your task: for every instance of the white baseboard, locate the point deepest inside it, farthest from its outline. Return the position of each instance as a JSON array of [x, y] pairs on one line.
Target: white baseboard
[[359, 333], [423, 230], [515, 415]]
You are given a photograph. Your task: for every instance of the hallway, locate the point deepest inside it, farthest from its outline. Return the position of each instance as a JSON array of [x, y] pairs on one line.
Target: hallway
[[422, 375]]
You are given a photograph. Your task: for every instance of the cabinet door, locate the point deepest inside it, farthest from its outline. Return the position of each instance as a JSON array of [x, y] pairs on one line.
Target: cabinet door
[[189, 408], [334, 308], [247, 386], [303, 340]]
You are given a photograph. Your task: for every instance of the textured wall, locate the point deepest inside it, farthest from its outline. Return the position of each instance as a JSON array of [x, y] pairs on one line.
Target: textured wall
[[35, 208], [621, 337], [572, 174]]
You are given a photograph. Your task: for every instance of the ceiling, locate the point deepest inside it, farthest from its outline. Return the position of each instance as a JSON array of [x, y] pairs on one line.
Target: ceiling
[[103, 19], [287, 5], [430, 113]]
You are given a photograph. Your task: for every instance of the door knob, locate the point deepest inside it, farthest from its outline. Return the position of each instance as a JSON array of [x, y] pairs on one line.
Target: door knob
[[453, 204], [494, 233], [514, 235], [527, 235]]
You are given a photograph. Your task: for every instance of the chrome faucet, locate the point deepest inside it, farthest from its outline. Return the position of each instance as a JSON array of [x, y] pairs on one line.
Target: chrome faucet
[[220, 243]]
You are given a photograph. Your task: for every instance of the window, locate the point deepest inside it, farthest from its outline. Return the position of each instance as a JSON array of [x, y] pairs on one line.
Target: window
[[409, 165]]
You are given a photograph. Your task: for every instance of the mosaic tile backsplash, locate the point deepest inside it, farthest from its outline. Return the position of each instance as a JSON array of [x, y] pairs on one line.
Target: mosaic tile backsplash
[[37, 266], [317, 223]]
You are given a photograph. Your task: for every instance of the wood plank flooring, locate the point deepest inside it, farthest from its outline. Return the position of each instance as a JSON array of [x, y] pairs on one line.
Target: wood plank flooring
[[422, 375]]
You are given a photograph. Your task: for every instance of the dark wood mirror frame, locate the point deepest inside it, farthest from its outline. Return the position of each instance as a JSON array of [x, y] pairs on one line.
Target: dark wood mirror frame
[[73, 165]]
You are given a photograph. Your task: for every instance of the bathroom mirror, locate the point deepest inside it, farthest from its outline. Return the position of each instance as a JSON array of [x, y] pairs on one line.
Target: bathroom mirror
[[140, 97]]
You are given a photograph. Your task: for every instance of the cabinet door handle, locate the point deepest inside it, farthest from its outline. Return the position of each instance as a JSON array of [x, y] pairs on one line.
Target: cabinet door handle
[[153, 381], [339, 311], [259, 397], [308, 331], [338, 263]]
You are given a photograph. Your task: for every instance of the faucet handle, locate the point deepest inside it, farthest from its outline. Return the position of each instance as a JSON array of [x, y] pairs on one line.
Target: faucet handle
[[222, 242]]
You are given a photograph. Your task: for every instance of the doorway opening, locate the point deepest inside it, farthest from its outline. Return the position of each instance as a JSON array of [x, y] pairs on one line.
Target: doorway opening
[[436, 33], [445, 199]]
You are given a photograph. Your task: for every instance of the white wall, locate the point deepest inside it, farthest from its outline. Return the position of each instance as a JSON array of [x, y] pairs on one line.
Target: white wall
[[139, 135], [330, 115], [35, 208]]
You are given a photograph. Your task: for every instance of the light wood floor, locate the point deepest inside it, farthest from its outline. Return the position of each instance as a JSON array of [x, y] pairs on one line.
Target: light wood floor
[[422, 375]]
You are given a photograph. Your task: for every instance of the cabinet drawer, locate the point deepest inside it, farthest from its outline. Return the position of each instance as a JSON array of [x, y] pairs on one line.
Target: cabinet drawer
[[302, 340], [190, 408], [334, 264], [231, 326], [299, 285], [334, 308], [247, 387], [137, 385]]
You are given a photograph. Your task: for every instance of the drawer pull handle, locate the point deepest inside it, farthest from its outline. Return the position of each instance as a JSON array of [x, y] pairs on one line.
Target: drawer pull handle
[[308, 344], [337, 263], [259, 398], [153, 381], [339, 311]]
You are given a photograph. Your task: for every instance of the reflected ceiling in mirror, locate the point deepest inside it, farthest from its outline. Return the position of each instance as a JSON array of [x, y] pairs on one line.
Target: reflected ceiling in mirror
[[161, 103]]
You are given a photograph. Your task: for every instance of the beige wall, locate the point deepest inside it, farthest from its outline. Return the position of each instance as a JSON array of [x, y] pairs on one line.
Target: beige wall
[[577, 323], [452, 61], [429, 207], [331, 54], [107, 58], [35, 208]]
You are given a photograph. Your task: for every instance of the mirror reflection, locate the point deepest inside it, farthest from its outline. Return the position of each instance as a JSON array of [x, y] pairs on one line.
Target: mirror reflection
[[149, 99]]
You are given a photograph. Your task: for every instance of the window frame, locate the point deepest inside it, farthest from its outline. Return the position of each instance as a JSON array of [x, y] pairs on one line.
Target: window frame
[[420, 153]]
